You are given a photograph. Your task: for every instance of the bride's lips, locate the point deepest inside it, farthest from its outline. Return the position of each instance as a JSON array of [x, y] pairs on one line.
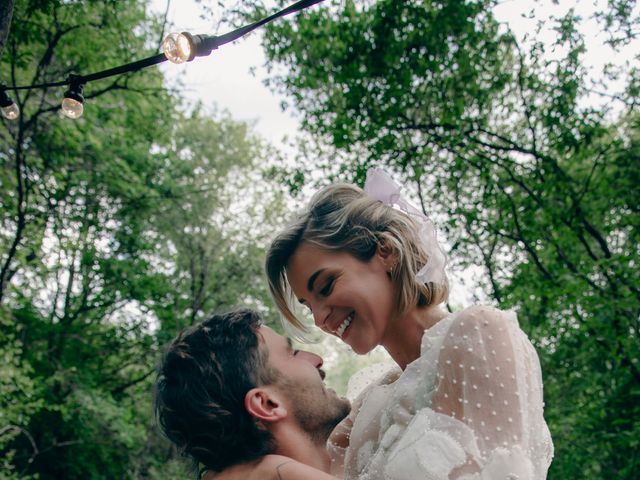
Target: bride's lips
[[346, 332], [344, 325]]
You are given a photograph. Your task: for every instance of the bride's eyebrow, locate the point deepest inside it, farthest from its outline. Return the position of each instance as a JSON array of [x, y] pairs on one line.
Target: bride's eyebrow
[[312, 279], [311, 282]]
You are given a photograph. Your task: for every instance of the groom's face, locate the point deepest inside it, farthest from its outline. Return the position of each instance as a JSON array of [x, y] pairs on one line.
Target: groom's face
[[317, 409]]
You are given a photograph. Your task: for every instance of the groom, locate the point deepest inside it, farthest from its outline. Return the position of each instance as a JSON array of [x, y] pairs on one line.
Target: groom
[[231, 391]]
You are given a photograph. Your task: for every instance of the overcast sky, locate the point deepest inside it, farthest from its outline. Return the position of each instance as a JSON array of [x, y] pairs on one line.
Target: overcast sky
[[225, 79]]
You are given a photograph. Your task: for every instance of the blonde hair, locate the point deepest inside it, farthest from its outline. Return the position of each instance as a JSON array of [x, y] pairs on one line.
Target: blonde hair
[[341, 217]]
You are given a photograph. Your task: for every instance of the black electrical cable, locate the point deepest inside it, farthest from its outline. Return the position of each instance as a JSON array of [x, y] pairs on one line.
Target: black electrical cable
[[231, 36], [210, 42]]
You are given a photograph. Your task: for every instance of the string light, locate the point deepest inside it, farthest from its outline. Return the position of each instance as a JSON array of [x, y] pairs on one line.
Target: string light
[[184, 47], [10, 110], [73, 103], [177, 48]]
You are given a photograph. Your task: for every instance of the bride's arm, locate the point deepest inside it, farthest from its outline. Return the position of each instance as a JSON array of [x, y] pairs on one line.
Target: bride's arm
[[271, 467], [489, 379]]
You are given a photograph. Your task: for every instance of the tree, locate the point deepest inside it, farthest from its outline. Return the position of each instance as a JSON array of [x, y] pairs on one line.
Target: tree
[[216, 194], [6, 12], [532, 174], [113, 236], [68, 238]]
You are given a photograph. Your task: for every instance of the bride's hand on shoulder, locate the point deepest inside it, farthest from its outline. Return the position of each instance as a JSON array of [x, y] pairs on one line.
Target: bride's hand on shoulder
[[271, 467], [246, 471], [260, 469]]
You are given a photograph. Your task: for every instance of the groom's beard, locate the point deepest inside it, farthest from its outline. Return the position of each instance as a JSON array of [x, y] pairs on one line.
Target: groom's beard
[[316, 409]]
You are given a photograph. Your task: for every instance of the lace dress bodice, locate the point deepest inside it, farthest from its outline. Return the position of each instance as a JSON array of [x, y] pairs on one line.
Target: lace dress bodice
[[469, 408]]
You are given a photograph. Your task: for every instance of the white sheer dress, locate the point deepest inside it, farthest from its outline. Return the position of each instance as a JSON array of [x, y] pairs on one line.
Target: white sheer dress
[[469, 408]]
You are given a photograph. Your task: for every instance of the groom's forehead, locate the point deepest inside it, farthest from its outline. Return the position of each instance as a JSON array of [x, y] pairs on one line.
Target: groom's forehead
[[273, 341]]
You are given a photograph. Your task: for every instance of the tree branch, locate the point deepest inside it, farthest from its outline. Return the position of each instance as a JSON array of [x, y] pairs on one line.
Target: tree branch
[[117, 391], [6, 13], [6, 272]]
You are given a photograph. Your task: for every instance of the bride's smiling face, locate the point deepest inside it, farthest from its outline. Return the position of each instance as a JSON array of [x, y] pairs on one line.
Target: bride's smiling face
[[348, 298]]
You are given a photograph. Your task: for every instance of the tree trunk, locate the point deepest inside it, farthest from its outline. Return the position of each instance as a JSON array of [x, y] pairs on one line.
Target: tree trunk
[[6, 11]]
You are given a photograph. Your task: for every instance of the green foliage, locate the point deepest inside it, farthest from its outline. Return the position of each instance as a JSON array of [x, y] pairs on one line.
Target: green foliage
[[116, 231], [20, 397], [532, 177]]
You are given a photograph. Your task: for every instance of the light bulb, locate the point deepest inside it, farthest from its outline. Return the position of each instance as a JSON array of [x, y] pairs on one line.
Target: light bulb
[[10, 112], [73, 103], [178, 47], [72, 108]]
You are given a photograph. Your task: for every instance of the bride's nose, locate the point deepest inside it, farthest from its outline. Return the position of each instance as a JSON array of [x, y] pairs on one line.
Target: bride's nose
[[320, 315]]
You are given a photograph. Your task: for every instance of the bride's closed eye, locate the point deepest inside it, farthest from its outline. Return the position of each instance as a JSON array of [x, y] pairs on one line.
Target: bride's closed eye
[[328, 287]]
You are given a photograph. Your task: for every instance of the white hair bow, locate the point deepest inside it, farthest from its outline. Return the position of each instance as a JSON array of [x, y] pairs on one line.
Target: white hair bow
[[380, 186]]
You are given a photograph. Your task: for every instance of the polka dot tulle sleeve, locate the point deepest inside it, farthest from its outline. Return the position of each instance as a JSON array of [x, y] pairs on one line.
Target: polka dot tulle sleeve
[[470, 408]]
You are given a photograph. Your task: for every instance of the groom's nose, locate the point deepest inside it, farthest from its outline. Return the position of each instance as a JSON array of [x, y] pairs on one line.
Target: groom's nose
[[312, 358]]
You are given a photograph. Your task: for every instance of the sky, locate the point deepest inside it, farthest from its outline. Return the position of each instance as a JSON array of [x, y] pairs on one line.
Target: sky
[[225, 78], [231, 78]]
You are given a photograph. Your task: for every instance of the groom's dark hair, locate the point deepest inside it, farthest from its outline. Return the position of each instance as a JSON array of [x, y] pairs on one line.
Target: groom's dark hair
[[200, 388]]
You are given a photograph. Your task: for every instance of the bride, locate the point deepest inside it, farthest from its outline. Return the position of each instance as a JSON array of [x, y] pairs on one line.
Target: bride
[[466, 401]]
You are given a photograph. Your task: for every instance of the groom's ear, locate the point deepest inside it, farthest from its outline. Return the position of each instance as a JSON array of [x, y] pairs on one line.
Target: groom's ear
[[265, 404]]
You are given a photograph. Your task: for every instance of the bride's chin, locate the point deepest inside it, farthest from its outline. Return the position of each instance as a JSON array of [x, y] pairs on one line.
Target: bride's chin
[[350, 337], [359, 348]]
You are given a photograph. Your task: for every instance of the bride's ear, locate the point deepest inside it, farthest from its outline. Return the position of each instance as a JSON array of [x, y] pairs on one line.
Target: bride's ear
[[387, 254], [265, 404]]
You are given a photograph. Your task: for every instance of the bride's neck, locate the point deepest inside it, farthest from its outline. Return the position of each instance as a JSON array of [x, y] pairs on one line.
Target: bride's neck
[[403, 337]]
